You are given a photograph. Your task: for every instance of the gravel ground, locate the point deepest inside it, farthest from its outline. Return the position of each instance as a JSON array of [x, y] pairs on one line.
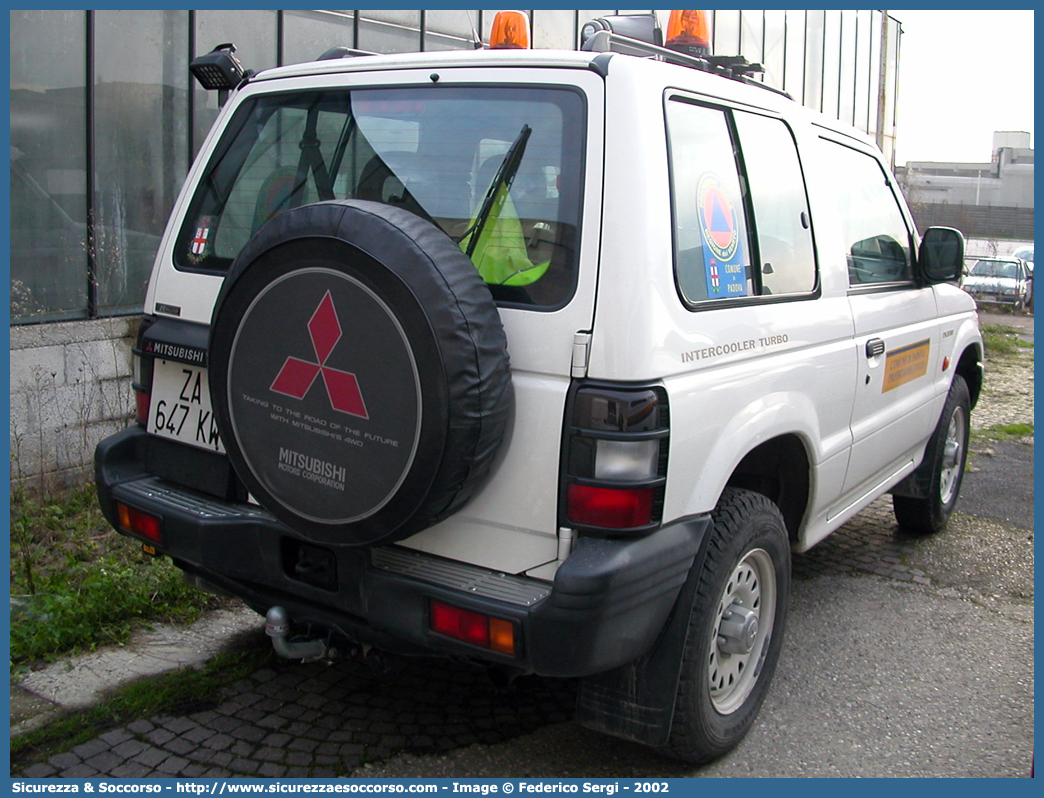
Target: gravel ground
[[1007, 396]]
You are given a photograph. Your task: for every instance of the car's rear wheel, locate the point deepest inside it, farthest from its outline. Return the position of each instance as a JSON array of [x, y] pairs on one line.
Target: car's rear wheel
[[735, 629]]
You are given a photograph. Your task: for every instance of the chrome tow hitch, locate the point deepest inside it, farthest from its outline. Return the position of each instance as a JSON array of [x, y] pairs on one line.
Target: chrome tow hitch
[[306, 649]]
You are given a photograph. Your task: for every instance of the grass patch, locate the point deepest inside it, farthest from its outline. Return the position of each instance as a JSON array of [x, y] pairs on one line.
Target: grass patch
[[1006, 432], [1000, 340], [178, 692], [76, 584]]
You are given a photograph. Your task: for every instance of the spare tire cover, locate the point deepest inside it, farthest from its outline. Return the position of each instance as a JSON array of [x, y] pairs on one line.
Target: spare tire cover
[[359, 372]]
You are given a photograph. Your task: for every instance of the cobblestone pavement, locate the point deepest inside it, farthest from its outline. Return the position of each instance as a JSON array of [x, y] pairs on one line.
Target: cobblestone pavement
[[295, 720], [292, 720]]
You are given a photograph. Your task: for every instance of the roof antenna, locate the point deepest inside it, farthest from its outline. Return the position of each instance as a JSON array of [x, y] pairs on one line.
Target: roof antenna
[[476, 40]]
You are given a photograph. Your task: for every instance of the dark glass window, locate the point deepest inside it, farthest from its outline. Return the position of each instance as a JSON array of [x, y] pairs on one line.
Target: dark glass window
[[831, 63], [309, 34], [389, 31], [140, 117], [450, 30], [774, 58], [433, 151], [815, 42], [255, 35], [48, 166]]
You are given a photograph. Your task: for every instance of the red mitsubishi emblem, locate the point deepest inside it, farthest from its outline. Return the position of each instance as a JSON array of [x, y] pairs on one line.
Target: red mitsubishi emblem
[[296, 377]]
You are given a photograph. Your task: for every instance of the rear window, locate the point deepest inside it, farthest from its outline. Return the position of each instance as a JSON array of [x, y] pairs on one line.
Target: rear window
[[498, 169]]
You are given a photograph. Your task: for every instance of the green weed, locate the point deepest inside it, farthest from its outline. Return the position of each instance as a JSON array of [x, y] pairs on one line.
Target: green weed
[[76, 584], [1006, 432], [1000, 340]]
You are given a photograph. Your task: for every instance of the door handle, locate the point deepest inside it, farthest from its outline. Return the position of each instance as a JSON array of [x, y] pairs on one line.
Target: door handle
[[875, 347]]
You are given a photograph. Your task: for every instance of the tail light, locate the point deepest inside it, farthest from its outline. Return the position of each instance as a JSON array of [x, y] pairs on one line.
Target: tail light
[[142, 376], [138, 523], [142, 386], [495, 634], [615, 459]]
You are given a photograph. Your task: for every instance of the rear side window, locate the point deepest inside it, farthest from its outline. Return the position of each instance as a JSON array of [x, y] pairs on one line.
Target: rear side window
[[787, 264], [711, 247], [741, 222], [498, 169], [876, 238]]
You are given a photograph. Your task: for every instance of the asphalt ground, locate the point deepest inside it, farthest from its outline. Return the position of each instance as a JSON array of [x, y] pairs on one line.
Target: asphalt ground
[[904, 656]]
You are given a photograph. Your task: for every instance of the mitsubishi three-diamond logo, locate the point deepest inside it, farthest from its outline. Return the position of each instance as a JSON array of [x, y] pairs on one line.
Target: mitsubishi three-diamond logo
[[296, 377]]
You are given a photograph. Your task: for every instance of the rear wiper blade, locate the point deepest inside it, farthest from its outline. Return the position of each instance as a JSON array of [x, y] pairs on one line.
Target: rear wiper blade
[[505, 174]]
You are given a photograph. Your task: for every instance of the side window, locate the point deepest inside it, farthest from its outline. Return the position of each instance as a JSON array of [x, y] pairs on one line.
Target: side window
[[711, 247], [777, 189], [877, 241], [720, 253]]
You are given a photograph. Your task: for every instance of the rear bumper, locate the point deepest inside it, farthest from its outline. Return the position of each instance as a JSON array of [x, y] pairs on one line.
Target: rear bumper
[[606, 607]]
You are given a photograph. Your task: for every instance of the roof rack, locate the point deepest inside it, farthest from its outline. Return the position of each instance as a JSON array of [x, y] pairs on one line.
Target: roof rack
[[342, 52], [735, 67]]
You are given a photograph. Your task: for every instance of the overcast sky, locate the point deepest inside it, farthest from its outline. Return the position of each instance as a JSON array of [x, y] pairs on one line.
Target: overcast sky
[[963, 75]]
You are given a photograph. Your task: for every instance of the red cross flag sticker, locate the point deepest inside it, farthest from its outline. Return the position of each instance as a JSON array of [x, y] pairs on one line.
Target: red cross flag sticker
[[201, 238]]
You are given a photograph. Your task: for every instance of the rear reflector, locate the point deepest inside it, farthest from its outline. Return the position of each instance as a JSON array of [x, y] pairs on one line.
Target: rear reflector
[[480, 630], [141, 406], [139, 523], [611, 508]]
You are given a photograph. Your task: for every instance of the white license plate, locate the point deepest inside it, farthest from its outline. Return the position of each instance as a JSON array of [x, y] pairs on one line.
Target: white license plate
[[180, 405]]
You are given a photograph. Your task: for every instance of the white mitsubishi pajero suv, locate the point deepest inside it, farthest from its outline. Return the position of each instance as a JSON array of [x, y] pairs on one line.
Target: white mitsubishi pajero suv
[[542, 359]]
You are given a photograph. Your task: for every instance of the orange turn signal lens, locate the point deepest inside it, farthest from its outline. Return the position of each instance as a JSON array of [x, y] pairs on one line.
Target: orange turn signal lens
[[502, 636], [510, 31], [688, 32]]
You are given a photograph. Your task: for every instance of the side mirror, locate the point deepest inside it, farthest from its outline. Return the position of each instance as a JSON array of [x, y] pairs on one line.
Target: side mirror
[[941, 255]]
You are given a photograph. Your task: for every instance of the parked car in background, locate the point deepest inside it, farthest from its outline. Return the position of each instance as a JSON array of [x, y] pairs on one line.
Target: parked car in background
[[1001, 281], [1026, 253]]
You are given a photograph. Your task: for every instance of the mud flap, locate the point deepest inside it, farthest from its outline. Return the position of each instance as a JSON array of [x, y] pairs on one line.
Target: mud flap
[[636, 701]]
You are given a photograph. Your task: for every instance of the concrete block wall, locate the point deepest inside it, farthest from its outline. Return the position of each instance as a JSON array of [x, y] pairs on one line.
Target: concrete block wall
[[70, 387]]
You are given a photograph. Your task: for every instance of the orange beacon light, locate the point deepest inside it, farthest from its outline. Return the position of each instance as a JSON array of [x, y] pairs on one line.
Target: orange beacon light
[[510, 31], [688, 32]]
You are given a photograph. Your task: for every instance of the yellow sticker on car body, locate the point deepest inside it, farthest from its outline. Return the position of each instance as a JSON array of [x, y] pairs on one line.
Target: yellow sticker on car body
[[905, 365]]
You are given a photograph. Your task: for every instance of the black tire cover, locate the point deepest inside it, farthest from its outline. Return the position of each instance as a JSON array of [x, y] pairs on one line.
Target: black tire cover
[[359, 372]]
